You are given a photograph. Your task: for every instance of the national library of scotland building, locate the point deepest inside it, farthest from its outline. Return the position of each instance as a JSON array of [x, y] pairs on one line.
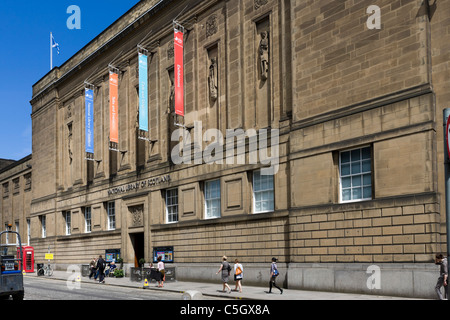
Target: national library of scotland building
[[307, 130]]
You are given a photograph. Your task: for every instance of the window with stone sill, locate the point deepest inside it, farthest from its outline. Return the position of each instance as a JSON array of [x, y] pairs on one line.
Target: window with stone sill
[[8, 228], [355, 175], [18, 231], [87, 220], [263, 193], [67, 219], [16, 185], [5, 189], [171, 205], [111, 211], [27, 178], [212, 199], [43, 222]]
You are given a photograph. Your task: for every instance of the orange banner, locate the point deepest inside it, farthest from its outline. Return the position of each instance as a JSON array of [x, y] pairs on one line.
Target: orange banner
[[113, 107]]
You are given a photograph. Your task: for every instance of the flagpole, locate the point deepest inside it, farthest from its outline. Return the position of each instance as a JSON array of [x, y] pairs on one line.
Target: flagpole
[[51, 52]]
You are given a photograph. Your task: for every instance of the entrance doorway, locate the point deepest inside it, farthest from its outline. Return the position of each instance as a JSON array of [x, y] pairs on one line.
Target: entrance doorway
[[137, 241]]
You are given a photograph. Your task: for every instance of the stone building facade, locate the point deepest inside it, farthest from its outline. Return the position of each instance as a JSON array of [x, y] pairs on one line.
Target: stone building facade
[[15, 199], [355, 96]]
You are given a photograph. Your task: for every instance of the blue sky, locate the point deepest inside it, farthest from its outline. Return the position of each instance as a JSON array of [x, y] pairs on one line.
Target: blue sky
[[25, 28]]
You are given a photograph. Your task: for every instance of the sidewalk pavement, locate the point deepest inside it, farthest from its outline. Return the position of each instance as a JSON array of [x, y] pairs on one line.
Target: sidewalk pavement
[[215, 289]]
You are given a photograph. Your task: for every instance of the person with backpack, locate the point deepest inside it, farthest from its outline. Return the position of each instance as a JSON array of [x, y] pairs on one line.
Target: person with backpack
[[273, 276], [225, 268]]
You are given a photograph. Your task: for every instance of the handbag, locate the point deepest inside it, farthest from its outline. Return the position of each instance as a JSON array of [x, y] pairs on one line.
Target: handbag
[[238, 271]]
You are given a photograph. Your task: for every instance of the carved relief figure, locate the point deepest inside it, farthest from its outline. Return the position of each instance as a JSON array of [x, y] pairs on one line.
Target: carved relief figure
[[260, 3], [69, 144], [69, 112], [136, 122], [137, 214], [172, 96], [213, 79], [170, 50], [211, 26], [264, 54]]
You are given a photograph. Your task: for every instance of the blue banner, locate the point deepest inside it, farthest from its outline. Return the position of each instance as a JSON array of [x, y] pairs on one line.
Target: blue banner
[[89, 100], [143, 92]]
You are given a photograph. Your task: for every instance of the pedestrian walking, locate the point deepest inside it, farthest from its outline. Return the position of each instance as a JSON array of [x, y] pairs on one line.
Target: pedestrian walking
[[92, 268], [273, 276], [96, 272], [225, 268], [101, 264], [443, 277], [162, 271], [238, 275]]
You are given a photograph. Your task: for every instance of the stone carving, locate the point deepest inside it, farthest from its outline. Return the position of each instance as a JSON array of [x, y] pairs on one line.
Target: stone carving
[[213, 79], [264, 54], [137, 215], [260, 3], [172, 95], [211, 25], [170, 50], [136, 120], [69, 112], [69, 142]]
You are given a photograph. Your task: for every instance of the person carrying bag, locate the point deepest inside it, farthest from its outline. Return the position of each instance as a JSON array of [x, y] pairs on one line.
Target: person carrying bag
[[273, 276], [238, 275]]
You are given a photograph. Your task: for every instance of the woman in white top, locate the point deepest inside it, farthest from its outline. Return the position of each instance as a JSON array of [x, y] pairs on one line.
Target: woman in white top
[[238, 272], [161, 270]]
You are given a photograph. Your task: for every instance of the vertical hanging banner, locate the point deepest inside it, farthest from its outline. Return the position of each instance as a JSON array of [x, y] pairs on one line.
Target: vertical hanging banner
[[113, 107], [143, 92], [89, 120], [178, 72]]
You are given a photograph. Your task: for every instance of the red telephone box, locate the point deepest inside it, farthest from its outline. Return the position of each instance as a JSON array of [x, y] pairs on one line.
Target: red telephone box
[[28, 258]]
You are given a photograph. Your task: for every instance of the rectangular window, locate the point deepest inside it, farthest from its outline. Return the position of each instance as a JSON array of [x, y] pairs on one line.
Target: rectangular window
[[355, 171], [28, 231], [27, 178], [43, 227], [17, 230], [263, 193], [212, 199], [5, 189], [172, 205], [16, 185], [87, 220], [7, 228], [67, 219], [111, 215]]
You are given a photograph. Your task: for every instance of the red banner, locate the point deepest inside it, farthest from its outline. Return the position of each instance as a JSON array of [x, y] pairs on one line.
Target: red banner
[[113, 107], [178, 73]]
